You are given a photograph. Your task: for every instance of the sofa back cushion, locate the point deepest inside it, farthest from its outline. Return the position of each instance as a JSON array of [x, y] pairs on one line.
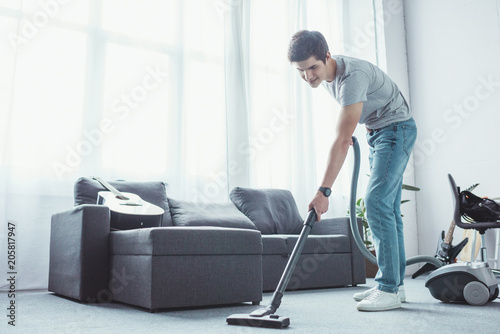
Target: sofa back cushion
[[86, 190], [208, 214], [273, 211]]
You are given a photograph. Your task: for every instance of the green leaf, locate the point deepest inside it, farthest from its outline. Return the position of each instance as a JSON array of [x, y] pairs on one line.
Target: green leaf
[[411, 188]]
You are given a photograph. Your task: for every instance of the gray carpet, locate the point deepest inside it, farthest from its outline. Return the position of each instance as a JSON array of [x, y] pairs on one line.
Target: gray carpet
[[312, 311]]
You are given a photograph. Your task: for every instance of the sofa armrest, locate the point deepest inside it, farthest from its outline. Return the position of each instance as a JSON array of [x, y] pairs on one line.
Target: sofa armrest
[[78, 266], [343, 226]]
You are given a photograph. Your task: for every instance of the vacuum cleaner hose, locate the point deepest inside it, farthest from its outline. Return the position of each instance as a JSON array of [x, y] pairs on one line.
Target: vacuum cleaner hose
[[353, 220]]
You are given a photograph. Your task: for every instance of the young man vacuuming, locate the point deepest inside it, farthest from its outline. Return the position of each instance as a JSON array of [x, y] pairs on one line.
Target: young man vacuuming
[[366, 96]]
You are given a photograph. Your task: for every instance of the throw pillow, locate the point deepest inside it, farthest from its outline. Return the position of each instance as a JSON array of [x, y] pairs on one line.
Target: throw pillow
[[207, 214], [273, 211]]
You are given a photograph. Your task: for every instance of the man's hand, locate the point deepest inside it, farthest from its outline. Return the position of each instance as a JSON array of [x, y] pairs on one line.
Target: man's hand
[[320, 204], [348, 120]]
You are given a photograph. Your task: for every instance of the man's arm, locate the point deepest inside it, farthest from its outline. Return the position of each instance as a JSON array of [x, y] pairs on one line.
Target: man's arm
[[347, 122]]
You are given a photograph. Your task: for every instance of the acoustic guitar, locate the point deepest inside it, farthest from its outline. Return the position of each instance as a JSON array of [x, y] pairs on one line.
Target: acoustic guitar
[[128, 211]]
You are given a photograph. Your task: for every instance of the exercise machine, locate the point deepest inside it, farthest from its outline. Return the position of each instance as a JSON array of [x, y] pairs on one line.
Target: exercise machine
[[471, 282]]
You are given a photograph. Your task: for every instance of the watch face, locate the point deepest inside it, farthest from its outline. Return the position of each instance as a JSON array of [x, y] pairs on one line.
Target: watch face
[[326, 191]]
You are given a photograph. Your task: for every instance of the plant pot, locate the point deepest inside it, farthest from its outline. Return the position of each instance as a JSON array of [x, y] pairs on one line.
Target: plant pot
[[371, 269]]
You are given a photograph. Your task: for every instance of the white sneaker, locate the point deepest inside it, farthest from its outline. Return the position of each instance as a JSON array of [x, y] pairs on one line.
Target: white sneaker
[[401, 294], [359, 296], [379, 301]]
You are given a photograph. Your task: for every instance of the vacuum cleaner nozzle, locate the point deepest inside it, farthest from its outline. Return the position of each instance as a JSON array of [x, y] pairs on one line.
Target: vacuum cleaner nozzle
[[268, 321]]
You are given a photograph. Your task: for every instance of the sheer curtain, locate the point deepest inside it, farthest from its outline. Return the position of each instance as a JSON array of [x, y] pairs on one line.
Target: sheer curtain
[[196, 93], [283, 129]]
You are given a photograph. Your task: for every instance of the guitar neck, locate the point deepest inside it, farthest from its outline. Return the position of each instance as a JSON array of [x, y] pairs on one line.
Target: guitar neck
[[449, 235], [109, 187]]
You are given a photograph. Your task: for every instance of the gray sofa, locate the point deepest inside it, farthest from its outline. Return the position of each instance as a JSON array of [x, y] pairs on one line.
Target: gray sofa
[[203, 254]]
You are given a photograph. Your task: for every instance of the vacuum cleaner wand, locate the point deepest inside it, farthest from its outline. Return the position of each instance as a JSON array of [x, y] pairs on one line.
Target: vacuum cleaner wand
[[265, 317]]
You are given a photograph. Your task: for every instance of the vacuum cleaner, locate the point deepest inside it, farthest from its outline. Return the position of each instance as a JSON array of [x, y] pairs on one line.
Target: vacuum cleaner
[[266, 317], [471, 282]]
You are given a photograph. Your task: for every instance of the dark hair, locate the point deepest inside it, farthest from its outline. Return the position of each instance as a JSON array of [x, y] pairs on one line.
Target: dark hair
[[305, 44]]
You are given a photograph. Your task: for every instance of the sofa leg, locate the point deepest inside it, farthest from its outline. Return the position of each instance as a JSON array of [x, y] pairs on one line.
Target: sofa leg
[[256, 303]]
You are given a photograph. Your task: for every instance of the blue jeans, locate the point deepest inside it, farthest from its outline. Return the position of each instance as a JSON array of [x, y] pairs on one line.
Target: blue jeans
[[390, 149]]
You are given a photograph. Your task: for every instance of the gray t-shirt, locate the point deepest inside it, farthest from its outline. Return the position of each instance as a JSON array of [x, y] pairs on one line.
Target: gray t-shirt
[[356, 81]]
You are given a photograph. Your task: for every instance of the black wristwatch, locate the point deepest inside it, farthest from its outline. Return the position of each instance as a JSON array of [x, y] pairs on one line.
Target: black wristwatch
[[326, 191]]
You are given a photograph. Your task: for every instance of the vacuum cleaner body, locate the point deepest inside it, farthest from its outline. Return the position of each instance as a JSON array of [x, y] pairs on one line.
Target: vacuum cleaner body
[[471, 282]]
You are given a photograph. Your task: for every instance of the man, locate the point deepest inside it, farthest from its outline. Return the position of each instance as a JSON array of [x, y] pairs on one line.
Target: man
[[366, 96]]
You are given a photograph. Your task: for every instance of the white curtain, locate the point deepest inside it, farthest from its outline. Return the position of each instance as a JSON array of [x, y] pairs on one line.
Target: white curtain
[[196, 93]]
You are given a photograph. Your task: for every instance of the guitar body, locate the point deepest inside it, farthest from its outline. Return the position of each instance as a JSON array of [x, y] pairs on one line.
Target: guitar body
[[129, 211]]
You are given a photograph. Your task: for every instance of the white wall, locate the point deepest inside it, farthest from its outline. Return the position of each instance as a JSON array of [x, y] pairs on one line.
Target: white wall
[[454, 74]]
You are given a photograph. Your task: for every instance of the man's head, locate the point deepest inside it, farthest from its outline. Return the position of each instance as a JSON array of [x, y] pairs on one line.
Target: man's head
[[308, 52], [305, 44]]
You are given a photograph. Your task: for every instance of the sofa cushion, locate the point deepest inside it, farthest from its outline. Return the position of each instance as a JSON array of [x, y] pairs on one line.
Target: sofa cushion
[[315, 244], [321, 244], [181, 240], [86, 190], [273, 211], [274, 244], [207, 214]]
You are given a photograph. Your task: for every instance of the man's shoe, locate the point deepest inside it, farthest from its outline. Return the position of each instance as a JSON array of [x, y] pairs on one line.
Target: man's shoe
[[401, 293], [359, 296], [379, 301]]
